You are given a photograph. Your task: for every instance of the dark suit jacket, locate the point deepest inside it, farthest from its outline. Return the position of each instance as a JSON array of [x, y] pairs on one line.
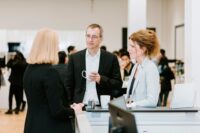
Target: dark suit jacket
[[108, 69], [46, 111], [17, 71]]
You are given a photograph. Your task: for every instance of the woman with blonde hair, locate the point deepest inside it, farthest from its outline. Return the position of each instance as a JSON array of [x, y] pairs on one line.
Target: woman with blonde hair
[[45, 93], [143, 89]]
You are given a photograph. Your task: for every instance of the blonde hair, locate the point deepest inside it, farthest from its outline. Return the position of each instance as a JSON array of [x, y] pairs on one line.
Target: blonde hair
[[44, 48], [92, 26], [147, 39]]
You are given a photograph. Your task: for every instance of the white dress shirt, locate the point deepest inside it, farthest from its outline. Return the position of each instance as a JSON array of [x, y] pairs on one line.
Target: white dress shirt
[[92, 65], [147, 86]]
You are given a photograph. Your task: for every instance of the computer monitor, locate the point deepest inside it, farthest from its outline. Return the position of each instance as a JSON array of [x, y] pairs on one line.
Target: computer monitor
[[122, 121]]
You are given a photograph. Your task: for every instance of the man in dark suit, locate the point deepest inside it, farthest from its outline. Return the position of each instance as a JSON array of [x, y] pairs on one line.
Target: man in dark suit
[[93, 72]]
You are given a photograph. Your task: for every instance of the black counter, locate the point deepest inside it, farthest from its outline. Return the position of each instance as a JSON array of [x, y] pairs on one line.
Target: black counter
[[155, 110]]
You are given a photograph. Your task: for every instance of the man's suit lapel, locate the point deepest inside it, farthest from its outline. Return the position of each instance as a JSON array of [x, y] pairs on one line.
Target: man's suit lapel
[[82, 56], [83, 67], [101, 62]]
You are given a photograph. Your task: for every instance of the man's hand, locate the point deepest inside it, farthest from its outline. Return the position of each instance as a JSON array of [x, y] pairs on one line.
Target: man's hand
[[94, 76]]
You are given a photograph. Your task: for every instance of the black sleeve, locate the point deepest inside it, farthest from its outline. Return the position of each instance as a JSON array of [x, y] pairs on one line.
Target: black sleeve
[[10, 63], [53, 91], [69, 80], [114, 80]]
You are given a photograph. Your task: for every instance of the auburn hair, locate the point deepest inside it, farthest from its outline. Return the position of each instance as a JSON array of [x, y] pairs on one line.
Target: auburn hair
[[147, 39]]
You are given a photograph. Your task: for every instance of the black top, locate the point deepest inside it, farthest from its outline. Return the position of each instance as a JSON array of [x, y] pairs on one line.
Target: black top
[[62, 70], [17, 71], [46, 111]]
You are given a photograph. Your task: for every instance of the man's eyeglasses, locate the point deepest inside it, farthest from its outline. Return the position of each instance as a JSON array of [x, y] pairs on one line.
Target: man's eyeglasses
[[92, 36]]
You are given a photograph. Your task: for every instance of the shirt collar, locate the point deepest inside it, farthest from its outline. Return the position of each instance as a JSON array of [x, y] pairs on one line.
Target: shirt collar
[[143, 62], [96, 55]]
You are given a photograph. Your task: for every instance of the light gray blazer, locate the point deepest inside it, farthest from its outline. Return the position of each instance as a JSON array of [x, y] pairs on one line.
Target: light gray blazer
[[146, 88]]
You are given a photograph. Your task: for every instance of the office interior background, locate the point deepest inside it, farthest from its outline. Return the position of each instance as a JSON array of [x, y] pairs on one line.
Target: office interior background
[[175, 21]]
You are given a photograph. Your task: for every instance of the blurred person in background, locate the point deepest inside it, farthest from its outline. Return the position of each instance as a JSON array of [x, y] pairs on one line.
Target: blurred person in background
[[17, 64], [166, 75], [117, 54], [126, 64], [71, 49], [61, 67]]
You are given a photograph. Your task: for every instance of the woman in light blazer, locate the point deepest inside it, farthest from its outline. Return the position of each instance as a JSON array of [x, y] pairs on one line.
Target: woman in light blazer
[[143, 88]]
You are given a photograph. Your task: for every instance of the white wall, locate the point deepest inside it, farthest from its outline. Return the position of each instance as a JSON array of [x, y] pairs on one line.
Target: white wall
[[21, 19], [67, 15], [164, 15], [25, 37], [155, 17], [136, 15], [174, 16], [192, 46], [70, 15]]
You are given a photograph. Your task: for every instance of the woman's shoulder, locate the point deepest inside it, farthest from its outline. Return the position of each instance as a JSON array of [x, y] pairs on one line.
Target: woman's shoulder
[[150, 64], [45, 71], [150, 67], [40, 68]]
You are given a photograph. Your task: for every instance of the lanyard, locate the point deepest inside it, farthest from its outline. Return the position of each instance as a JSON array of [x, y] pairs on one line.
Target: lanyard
[[129, 99]]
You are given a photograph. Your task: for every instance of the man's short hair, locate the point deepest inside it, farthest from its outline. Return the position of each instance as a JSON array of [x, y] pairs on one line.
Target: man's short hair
[[62, 56], [125, 53], [92, 26], [70, 48], [162, 51]]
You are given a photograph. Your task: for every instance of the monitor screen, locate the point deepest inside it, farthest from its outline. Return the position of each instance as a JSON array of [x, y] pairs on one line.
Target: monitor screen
[[13, 46], [122, 121]]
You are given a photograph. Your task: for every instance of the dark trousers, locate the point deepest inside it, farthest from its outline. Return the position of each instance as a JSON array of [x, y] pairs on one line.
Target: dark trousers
[[163, 98], [17, 91]]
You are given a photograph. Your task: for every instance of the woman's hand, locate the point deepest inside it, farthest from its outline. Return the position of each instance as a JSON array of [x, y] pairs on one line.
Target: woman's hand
[[77, 107], [130, 105]]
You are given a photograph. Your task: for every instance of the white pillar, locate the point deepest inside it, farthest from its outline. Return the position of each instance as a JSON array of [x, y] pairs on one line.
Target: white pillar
[[136, 15], [192, 43]]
